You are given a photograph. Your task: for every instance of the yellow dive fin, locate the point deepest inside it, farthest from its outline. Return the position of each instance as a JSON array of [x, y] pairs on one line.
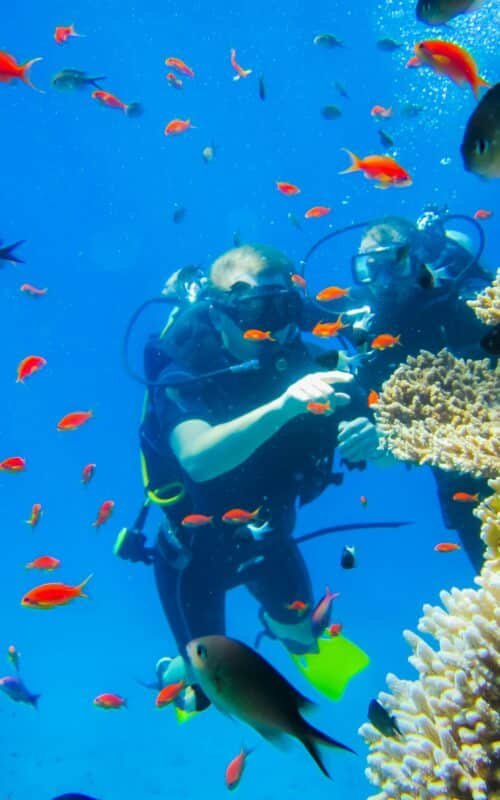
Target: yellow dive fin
[[333, 667]]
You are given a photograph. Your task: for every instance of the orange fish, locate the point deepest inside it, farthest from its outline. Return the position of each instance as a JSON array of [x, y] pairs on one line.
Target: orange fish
[[109, 701], [241, 73], [32, 291], [319, 408], [465, 497], [384, 341], [174, 81], [483, 213], [104, 513], [13, 464], [363, 500], [446, 547], [299, 606], [238, 516], [325, 330], [373, 398], [73, 420], [234, 769], [180, 66], [177, 126], [47, 563], [196, 520], [335, 629], [11, 70], [111, 101], [317, 211], [447, 58], [331, 293], [63, 32], [383, 169], [287, 188], [50, 595], [28, 366], [168, 694], [88, 473], [36, 513], [380, 111], [256, 335], [299, 281]]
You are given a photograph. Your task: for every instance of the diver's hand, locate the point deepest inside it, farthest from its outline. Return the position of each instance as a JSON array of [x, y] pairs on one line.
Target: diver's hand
[[358, 439], [317, 387]]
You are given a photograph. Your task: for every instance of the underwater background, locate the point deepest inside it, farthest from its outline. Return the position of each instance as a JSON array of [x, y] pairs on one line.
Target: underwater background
[[93, 193]]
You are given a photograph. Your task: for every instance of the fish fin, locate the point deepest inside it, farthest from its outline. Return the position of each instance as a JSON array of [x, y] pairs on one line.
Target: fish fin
[[355, 162], [7, 253], [478, 82], [83, 584], [311, 737], [34, 700], [236, 77], [442, 59], [25, 77], [93, 81], [414, 62], [382, 185]]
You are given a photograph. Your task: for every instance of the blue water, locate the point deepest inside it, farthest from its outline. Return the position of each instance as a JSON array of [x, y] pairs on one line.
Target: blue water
[[93, 193]]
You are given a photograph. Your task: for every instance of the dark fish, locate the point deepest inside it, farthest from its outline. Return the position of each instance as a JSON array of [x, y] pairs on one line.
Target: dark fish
[[348, 557], [293, 220], [14, 688], [385, 139], [388, 45], [69, 79], [425, 277], [262, 88], [331, 112], [73, 796], [341, 89], [481, 143], [7, 252], [491, 341], [411, 110], [237, 240], [242, 684], [178, 213], [382, 720], [439, 12], [327, 40]]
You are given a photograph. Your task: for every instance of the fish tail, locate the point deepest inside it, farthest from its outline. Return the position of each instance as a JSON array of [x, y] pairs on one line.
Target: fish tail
[[133, 109], [83, 584], [25, 74], [93, 81], [355, 162], [34, 700], [311, 737], [476, 85], [7, 253]]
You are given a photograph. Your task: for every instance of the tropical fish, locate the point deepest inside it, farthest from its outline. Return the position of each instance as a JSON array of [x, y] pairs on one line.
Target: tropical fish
[[174, 81], [388, 45], [327, 40], [446, 547], [196, 520], [373, 398], [294, 220], [382, 720], [331, 112], [299, 606], [238, 516], [385, 139], [287, 188], [104, 513], [10, 70], [363, 500], [73, 420], [325, 330], [47, 563], [242, 684], [32, 291], [256, 335], [109, 701], [14, 688], [178, 213], [168, 694], [348, 557], [36, 513], [234, 769], [28, 366], [383, 169], [180, 66], [70, 79], [241, 73], [63, 32], [381, 111], [335, 629], [177, 126], [50, 595], [111, 101], [481, 143], [14, 656], [341, 89], [7, 252], [317, 211], [262, 89], [411, 110], [465, 497], [208, 153], [299, 281], [448, 58], [331, 293], [13, 464], [319, 408], [483, 213], [88, 473], [439, 12], [385, 340], [320, 617]]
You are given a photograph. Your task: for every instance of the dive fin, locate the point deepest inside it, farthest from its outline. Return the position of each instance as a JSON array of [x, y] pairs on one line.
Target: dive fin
[[333, 667]]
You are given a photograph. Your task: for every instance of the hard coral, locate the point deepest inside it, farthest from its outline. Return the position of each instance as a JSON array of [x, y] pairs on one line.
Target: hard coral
[[486, 304]]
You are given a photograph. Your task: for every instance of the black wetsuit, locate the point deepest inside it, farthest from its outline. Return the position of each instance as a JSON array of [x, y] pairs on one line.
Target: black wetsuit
[[195, 567]]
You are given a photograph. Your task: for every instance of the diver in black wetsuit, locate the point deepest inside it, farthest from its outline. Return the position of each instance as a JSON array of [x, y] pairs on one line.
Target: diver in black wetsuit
[[415, 279], [242, 439]]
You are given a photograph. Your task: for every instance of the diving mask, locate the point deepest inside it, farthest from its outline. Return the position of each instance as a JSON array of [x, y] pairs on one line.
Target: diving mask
[[391, 259], [268, 307]]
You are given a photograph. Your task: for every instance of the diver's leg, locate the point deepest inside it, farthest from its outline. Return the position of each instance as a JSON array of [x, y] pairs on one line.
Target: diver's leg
[[459, 516]]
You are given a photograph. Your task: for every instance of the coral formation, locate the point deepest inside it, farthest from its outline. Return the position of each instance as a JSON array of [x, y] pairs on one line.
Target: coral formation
[[449, 748], [486, 304], [442, 410]]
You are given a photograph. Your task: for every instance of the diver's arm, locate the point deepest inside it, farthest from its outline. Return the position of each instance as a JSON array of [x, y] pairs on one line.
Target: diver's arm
[[205, 451]]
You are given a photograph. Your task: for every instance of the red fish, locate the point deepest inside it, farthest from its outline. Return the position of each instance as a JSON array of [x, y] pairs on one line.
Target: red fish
[[483, 213], [447, 58], [241, 73], [380, 111], [28, 366], [63, 32], [234, 769], [177, 126], [373, 398], [383, 169], [446, 547], [36, 513], [465, 497], [47, 563], [331, 293], [104, 513], [73, 420], [111, 101], [384, 341], [320, 617], [256, 335], [88, 473], [317, 211], [238, 516], [109, 701], [325, 330], [299, 606], [13, 464], [50, 595], [180, 66], [168, 694], [196, 520], [288, 189], [32, 291], [174, 81], [299, 281], [335, 629], [319, 408], [11, 70]]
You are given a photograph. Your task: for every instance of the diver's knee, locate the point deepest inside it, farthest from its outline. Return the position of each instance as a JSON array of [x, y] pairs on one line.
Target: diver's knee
[[297, 637]]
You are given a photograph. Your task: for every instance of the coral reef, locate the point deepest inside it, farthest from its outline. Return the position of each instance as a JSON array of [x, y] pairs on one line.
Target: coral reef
[[486, 304], [442, 410], [449, 748]]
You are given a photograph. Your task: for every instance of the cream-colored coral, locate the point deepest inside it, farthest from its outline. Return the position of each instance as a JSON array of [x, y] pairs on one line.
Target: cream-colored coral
[[486, 304], [442, 410], [450, 717]]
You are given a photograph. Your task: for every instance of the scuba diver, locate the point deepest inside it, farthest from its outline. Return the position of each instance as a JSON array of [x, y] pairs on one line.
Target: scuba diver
[[239, 410], [416, 278]]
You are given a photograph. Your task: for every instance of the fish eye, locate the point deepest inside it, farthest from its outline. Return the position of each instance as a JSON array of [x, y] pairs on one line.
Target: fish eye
[[201, 652], [481, 146]]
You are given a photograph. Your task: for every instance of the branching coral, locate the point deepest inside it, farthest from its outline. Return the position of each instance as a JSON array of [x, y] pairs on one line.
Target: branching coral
[[486, 304], [450, 717], [442, 410]]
